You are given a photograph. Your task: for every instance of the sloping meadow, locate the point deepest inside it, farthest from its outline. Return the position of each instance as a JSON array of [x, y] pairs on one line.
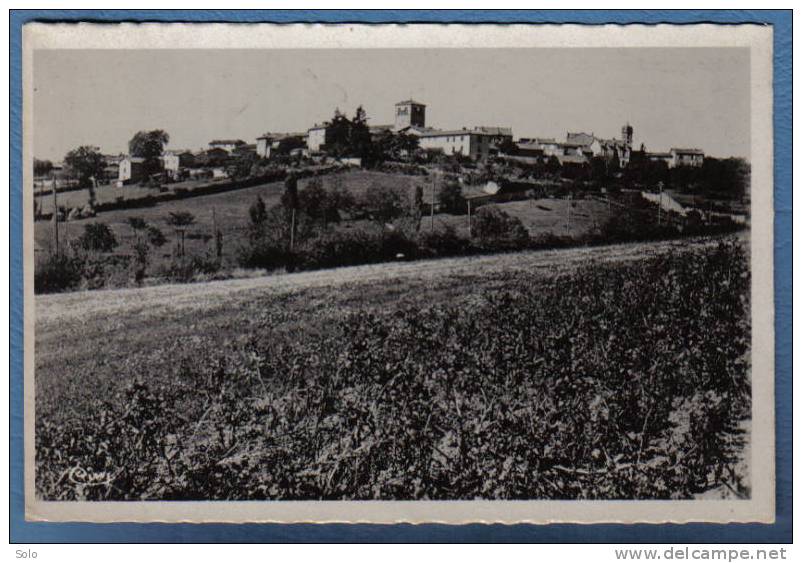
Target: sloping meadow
[[613, 381]]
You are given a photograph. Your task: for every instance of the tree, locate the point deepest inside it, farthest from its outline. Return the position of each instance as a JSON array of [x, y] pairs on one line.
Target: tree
[[180, 220], [97, 237], [451, 197], [258, 212], [492, 225], [553, 165], [384, 203], [314, 201], [360, 143], [155, 236], [42, 167], [392, 146], [86, 163], [417, 207], [243, 164], [289, 200], [339, 135], [137, 224], [149, 145]]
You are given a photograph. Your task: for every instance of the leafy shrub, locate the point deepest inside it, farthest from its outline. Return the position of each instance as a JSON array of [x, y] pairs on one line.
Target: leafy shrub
[[341, 248], [97, 237], [441, 242], [104, 271], [495, 228], [183, 269], [57, 272], [263, 253], [451, 199], [155, 237]]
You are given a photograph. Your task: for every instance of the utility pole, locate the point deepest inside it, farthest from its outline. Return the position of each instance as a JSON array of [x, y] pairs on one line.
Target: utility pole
[[292, 230], [55, 213], [218, 236], [434, 184], [660, 204], [470, 231], [568, 207]]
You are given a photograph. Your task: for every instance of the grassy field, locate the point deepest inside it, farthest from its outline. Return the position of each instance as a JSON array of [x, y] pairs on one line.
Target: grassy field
[[581, 373], [107, 193], [230, 212]]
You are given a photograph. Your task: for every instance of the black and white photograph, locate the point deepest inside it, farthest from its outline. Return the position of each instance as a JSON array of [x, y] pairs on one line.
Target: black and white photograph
[[314, 271]]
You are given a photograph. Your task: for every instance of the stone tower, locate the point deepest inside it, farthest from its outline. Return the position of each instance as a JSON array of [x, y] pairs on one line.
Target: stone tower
[[409, 113], [626, 134]]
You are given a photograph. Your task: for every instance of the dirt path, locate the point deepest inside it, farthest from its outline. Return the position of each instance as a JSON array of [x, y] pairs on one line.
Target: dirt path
[[77, 305]]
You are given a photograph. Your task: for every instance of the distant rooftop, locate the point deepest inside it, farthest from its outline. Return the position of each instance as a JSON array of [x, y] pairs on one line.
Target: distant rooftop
[[687, 151], [227, 142], [507, 131], [463, 131], [410, 101], [279, 136]]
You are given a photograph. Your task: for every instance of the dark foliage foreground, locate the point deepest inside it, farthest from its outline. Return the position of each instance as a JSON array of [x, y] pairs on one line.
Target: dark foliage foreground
[[618, 381]]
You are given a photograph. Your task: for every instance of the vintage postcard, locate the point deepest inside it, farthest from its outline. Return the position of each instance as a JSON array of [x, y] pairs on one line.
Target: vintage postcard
[[398, 273]]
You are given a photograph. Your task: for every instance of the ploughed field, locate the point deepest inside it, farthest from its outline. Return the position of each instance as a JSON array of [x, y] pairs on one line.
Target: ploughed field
[[615, 372]]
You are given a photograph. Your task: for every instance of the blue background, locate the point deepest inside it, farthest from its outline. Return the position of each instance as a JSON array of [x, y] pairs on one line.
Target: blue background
[[780, 532]]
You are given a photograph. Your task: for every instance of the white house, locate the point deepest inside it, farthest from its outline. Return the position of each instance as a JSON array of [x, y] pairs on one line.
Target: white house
[[475, 143], [131, 169], [686, 157], [227, 145], [317, 137]]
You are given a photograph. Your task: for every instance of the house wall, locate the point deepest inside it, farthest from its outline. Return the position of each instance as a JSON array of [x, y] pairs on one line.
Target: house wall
[[682, 159], [317, 139], [263, 147], [469, 144], [129, 171], [171, 162], [450, 144]]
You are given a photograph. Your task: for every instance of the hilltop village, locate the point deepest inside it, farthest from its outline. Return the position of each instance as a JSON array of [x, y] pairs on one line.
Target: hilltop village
[[476, 143]]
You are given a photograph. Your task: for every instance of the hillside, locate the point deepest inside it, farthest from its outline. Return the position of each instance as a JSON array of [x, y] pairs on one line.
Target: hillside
[[228, 212]]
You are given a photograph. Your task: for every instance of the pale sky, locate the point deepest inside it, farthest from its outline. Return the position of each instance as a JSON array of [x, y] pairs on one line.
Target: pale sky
[[679, 97]]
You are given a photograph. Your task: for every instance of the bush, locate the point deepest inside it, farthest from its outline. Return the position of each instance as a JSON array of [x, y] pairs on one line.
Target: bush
[[451, 199], [496, 229], [155, 237], [97, 237], [57, 272], [341, 248], [263, 253], [184, 269], [441, 242]]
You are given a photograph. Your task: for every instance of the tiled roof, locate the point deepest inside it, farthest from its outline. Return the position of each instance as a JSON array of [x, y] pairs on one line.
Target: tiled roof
[[688, 151], [227, 142], [455, 132], [579, 138], [507, 131]]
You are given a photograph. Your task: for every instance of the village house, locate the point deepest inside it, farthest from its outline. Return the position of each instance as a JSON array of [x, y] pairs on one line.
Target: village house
[[177, 160], [317, 137], [271, 144], [227, 145], [131, 170], [535, 147], [660, 157], [686, 157], [473, 143]]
